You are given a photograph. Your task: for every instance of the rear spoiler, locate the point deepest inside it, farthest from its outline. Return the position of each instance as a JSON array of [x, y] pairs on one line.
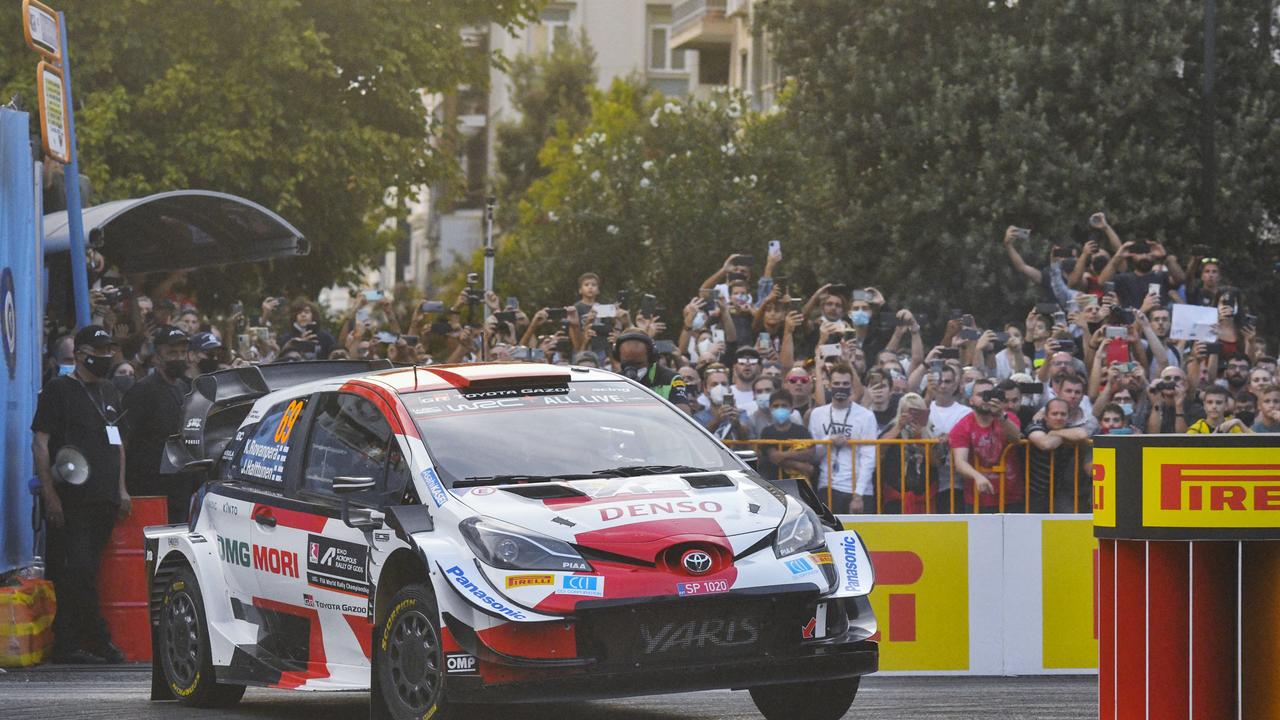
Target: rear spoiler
[[220, 401]]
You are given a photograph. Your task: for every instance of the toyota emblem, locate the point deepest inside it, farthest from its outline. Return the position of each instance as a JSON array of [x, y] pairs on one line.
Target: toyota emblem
[[697, 562]]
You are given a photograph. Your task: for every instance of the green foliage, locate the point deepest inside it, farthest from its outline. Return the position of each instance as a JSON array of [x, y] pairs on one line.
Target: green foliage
[[552, 93], [653, 195], [312, 109], [947, 121]]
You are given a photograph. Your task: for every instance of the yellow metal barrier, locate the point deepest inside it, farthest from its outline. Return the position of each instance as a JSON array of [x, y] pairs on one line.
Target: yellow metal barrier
[[1000, 471]]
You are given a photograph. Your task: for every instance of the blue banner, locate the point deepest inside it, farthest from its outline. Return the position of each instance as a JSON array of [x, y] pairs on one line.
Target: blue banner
[[20, 333]]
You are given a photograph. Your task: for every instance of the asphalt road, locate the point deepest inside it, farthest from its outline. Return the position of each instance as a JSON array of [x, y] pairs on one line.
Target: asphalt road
[[121, 692]]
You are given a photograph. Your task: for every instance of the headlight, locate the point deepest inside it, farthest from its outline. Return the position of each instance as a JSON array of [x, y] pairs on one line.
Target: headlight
[[800, 530], [507, 546]]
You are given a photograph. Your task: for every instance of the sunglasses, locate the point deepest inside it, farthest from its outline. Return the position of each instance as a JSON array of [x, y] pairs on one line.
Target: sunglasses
[[798, 380], [1208, 260], [749, 361]]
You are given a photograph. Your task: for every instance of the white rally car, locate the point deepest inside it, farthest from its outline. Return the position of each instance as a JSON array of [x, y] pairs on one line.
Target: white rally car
[[490, 533]]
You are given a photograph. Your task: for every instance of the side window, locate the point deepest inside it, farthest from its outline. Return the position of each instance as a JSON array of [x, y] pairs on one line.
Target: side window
[[351, 437], [264, 454]]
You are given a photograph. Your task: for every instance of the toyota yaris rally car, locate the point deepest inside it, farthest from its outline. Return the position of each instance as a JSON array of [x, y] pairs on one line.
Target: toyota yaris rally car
[[491, 533]]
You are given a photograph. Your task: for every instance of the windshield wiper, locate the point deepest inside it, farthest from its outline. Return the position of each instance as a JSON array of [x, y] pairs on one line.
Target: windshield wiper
[[638, 470], [481, 480]]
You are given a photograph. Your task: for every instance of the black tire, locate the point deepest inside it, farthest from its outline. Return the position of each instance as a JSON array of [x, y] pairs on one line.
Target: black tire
[[823, 700], [410, 661], [184, 647]]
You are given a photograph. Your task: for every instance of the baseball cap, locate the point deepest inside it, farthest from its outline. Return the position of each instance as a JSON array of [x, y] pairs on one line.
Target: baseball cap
[[94, 336], [204, 341], [169, 335]]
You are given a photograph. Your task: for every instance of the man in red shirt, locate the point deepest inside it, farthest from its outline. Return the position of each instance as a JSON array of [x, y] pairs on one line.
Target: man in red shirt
[[979, 440]]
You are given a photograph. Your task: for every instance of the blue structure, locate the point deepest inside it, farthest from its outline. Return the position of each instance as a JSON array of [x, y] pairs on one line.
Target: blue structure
[[21, 310]]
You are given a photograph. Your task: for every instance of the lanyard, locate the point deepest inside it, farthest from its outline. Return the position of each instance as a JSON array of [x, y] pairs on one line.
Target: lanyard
[[98, 403]]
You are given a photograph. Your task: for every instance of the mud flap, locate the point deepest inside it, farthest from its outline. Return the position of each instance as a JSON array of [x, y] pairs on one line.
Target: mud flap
[[159, 686]]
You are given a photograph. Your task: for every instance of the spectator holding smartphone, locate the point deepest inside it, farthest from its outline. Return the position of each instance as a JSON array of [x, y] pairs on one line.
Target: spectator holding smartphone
[[305, 335]]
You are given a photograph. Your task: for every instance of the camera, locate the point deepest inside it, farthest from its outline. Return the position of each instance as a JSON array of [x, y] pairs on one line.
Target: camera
[[1165, 386], [992, 395], [602, 329], [506, 316], [123, 292], [1122, 316], [431, 306]]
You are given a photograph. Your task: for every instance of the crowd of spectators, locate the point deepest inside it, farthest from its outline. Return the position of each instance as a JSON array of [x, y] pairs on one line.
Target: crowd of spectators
[[976, 418]]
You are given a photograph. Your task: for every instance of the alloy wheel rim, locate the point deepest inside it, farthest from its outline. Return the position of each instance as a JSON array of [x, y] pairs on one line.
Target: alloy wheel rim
[[413, 657], [183, 639]]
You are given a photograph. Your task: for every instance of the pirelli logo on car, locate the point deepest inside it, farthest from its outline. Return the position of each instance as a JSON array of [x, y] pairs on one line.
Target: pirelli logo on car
[[1211, 487]]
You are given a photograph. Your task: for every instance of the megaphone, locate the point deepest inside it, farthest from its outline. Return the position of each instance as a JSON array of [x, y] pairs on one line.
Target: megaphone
[[70, 466]]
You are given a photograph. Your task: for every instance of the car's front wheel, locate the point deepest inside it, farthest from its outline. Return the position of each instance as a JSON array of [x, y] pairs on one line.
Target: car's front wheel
[[184, 646], [410, 662], [824, 700]]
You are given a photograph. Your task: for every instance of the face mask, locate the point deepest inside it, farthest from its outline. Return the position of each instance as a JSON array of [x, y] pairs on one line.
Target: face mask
[[1247, 417], [840, 394], [123, 383], [207, 365], [66, 369], [781, 415], [635, 372], [1127, 408], [99, 366], [699, 321], [1121, 431], [175, 368], [704, 346], [860, 317], [717, 394], [968, 389], [762, 401]]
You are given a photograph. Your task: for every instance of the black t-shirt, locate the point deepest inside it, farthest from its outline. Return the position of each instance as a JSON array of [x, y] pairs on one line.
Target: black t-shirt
[[768, 470], [1132, 289], [77, 414], [1064, 463], [155, 413]]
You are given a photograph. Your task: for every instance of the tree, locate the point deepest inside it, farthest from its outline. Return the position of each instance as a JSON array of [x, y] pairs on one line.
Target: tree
[[312, 109], [653, 194], [947, 121], [551, 93]]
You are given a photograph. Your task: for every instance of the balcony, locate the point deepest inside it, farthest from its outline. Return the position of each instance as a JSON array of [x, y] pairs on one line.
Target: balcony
[[701, 25]]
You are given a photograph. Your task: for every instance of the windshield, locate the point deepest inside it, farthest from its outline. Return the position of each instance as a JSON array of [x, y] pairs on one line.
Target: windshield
[[572, 430]]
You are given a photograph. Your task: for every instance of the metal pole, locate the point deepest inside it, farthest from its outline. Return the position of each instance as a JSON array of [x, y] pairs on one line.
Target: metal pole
[[1208, 149], [490, 203], [71, 179]]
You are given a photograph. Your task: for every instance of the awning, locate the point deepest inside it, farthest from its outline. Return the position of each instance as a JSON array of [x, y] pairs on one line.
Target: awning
[[178, 230]]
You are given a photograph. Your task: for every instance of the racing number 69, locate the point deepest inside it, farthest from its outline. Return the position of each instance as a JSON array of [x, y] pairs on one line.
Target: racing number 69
[[285, 428]]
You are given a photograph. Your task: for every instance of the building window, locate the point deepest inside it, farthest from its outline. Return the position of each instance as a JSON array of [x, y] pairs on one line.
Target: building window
[[552, 30], [661, 57]]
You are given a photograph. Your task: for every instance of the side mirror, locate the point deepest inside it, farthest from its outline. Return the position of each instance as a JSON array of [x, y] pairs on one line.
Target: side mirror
[[343, 484], [749, 457], [361, 518]]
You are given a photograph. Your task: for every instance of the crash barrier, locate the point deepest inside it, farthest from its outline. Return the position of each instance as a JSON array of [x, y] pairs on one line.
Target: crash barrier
[[983, 594], [1189, 536], [26, 622], [122, 579], [916, 491]]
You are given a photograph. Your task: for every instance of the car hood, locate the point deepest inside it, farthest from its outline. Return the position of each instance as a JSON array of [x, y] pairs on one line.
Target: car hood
[[628, 516]]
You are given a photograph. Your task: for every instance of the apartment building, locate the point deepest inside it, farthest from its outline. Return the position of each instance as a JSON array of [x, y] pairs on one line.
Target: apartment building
[[681, 48]]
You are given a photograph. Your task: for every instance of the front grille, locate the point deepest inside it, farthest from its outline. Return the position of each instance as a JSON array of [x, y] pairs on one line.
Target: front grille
[[660, 632]]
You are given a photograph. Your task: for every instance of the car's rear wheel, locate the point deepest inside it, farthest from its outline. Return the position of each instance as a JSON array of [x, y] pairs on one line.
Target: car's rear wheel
[[823, 700], [410, 662], [184, 646]]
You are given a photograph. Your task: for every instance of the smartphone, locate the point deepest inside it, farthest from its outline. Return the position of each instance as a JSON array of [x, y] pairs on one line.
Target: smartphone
[[797, 305], [237, 308], [1096, 220], [957, 313], [849, 336], [664, 347], [506, 316], [780, 282], [305, 347], [764, 341], [775, 247], [624, 298], [409, 340], [950, 353], [1031, 388], [743, 260], [1109, 287], [861, 296], [1087, 301], [1002, 338], [383, 336], [1118, 353], [730, 400], [242, 344], [1140, 248], [1249, 321], [1116, 331], [373, 295], [970, 333], [829, 351], [1047, 308], [606, 311], [717, 335], [935, 366], [1213, 348], [1021, 233], [735, 276], [431, 306], [1065, 346], [838, 289], [1153, 289], [260, 334], [1059, 318], [647, 305], [968, 321], [556, 314], [513, 302], [602, 329]]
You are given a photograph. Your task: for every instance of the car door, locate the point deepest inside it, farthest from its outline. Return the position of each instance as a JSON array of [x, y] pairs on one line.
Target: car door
[[346, 436], [255, 472]]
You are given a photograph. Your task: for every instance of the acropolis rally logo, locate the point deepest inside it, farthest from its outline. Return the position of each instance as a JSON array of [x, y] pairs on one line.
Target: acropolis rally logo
[[315, 552]]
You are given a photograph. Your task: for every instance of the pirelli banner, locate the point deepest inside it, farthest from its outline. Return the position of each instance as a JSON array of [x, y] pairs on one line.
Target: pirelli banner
[[1187, 487], [983, 594]]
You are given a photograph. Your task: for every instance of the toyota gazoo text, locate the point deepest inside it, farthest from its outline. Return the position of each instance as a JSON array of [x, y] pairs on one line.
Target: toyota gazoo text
[[490, 533]]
